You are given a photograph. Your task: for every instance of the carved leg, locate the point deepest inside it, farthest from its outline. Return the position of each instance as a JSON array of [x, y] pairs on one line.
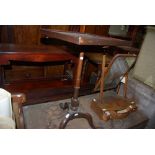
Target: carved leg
[[17, 103], [70, 117]]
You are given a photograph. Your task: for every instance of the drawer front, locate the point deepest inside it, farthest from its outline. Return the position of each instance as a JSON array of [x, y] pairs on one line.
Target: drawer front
[[23, 72]]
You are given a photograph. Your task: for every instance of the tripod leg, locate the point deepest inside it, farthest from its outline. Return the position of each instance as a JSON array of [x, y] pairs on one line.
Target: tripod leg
[[88, 117], [65, 121], [77, 115]]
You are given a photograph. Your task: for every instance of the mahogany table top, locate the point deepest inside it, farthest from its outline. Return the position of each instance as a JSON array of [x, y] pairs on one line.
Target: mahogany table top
[[34, 53], [84, 38]]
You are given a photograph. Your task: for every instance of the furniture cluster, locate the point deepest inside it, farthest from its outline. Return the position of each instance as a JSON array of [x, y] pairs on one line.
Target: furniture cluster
[[112, 75]]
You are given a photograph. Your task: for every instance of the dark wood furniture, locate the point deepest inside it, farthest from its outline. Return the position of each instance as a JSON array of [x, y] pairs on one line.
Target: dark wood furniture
[[36, 89], [18, 101], [73, 107], [14, 118], [89, 43], [114, 106], [84, 38]]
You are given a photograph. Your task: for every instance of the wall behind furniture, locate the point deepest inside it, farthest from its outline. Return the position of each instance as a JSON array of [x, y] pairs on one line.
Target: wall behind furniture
[[20, 34]]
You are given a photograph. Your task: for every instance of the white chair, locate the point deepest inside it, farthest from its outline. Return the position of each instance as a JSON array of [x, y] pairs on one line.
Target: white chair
[[11, 114]]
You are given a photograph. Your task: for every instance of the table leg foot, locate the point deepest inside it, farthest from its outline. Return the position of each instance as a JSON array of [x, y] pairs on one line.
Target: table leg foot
[[75, 115]]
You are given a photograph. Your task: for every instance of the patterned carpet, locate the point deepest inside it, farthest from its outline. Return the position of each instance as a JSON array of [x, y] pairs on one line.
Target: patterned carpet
[[49, 115]]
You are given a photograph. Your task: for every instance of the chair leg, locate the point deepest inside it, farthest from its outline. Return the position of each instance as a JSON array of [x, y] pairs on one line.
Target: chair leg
[[125, 85], [102, 79], [97, 85], [17, 102], [118, 88]]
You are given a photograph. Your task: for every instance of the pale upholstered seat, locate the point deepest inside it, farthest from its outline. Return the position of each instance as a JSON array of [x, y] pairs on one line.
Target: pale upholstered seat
[[11, 115], [145, 67], [7, 123], [141, 81], [6, 114]]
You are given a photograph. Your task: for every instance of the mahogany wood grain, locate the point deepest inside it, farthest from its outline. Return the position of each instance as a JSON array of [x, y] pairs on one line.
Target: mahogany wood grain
[[26, 34], [37, 54], [102, 78], [18, 101], [33, 53], [84, 38]]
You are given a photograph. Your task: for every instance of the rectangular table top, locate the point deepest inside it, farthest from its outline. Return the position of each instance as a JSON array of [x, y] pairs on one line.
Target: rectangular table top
[[34, 53], [13, 48], [84, 38]]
